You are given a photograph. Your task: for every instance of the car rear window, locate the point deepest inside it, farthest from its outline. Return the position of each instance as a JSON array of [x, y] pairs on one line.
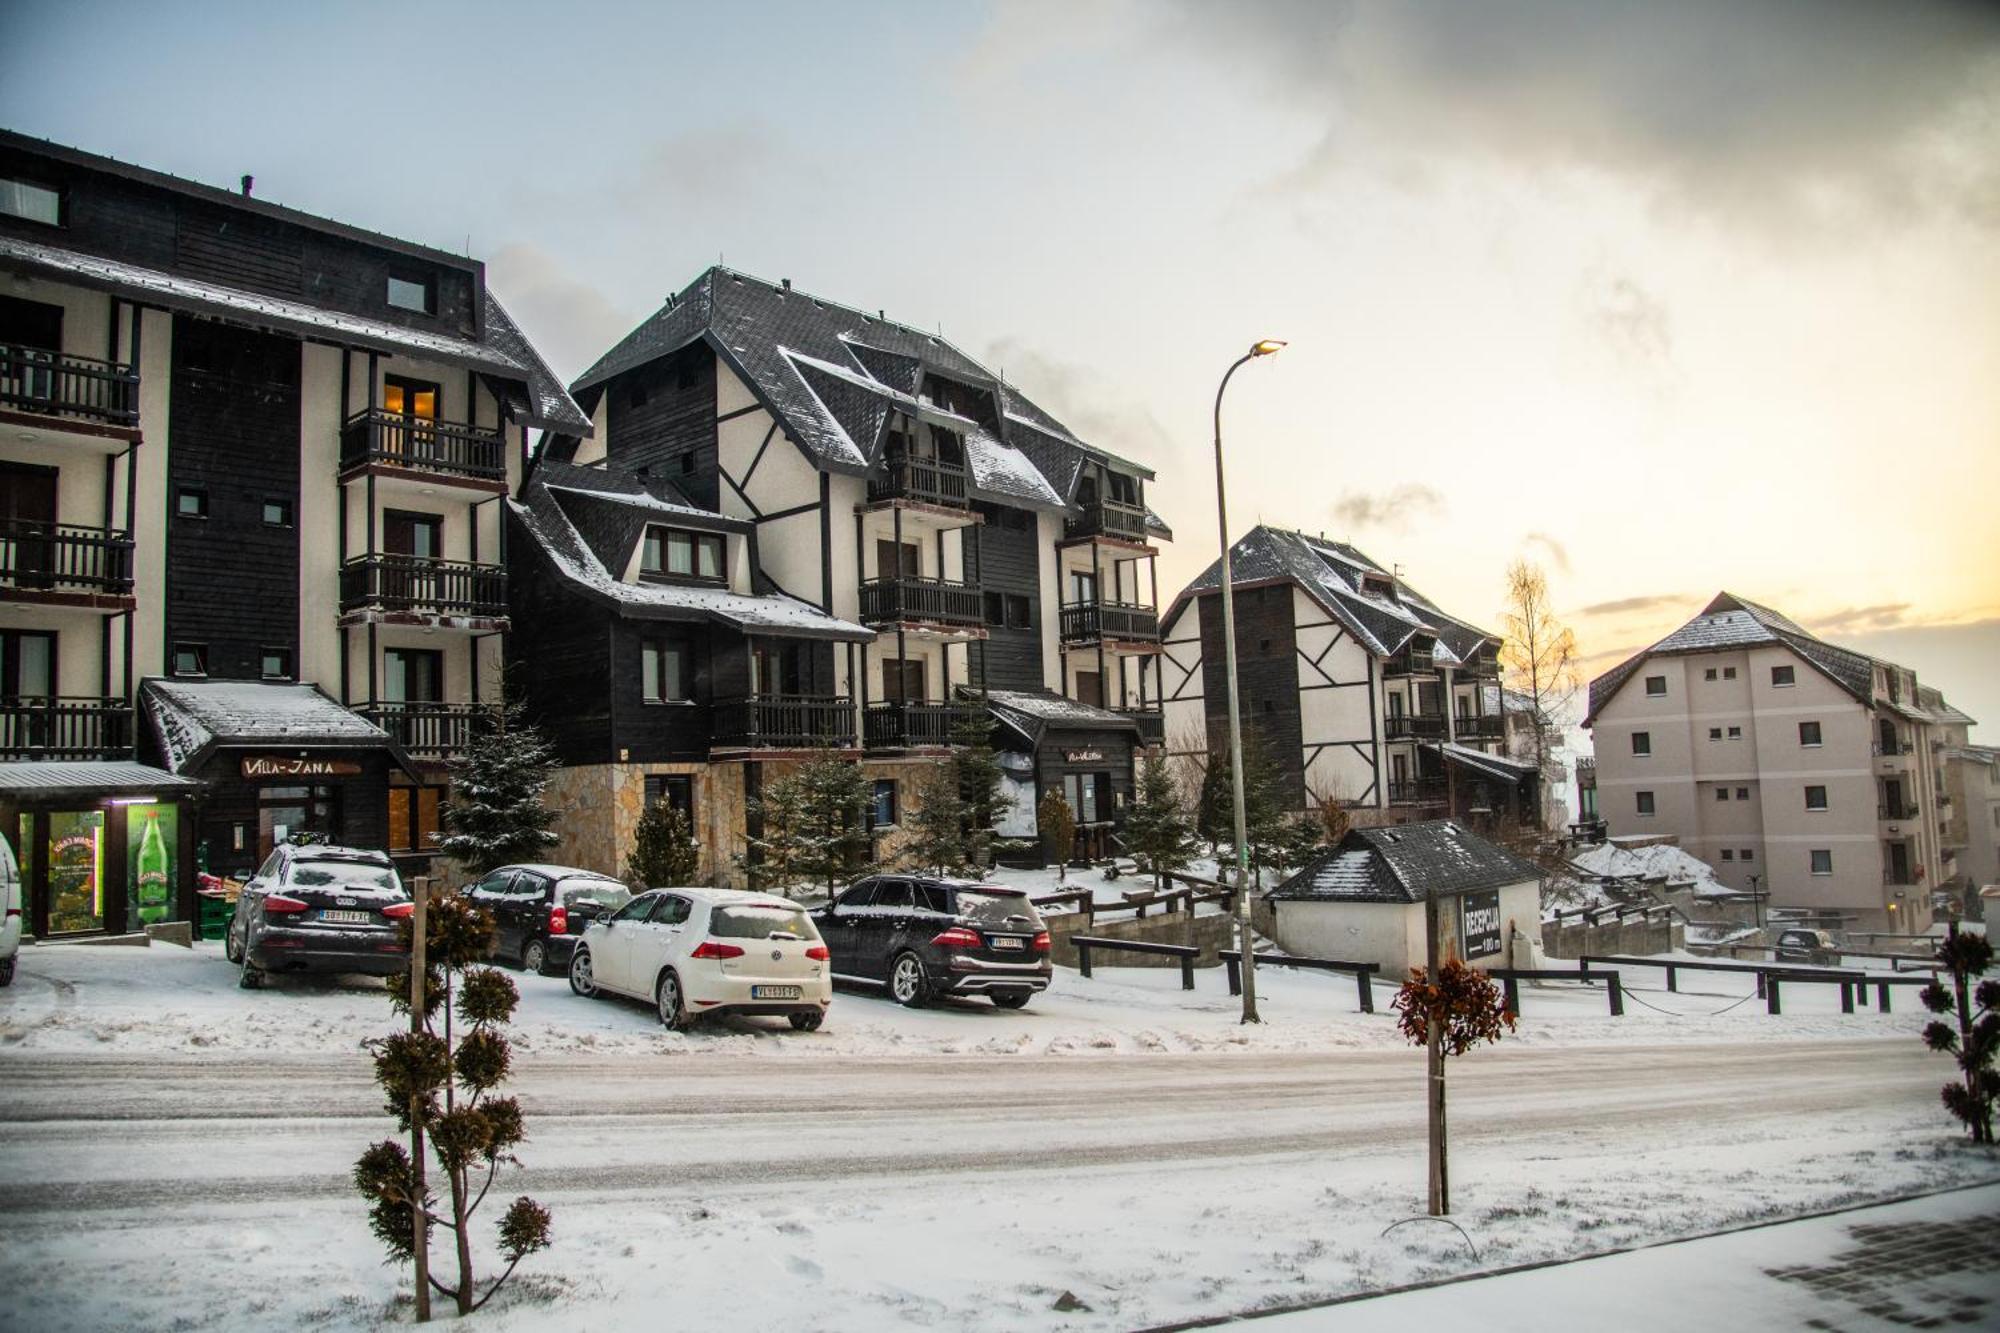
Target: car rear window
[[608, 894], [353, 874], [743, 922], [998, 907]]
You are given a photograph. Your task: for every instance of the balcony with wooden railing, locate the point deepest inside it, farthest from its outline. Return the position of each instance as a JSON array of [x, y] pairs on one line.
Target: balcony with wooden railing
[[73, 388], [1480, 727], [1108, 518], [932, 481], [784, 721], [1413, 727], [429, 729], [1410, 662], [65, 727], [1420, 791], [447, 449], [1087, 622], [902, 726], [418, 585], [1152, 724], [906, 599], [39, 559]]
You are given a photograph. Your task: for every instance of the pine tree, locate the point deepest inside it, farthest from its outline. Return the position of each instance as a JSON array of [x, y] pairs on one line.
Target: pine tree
[[663, 850], [977, 769], [813, 824], [1266, 821], [496, 815], [937, 822], [1157, 828], [1057, 823]]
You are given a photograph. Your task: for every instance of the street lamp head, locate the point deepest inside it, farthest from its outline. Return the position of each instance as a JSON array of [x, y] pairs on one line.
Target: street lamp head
[[1266, 346]]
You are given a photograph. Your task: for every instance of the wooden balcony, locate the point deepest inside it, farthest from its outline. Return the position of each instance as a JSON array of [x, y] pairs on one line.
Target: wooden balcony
[[1410, 662], [415, 585], [903, 726], [1152, 724], [930, 481], [784, 722], [1486, 727], [76, 388], [61, 561], [1108, 518], [1087, 622], [65, 727], [428, 729], [1421, 791], [444, 449], [904, 600], [1413, 727]]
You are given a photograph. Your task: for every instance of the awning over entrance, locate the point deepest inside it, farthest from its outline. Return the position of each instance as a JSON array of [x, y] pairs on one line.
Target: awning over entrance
[[60, 780], [191, 720]]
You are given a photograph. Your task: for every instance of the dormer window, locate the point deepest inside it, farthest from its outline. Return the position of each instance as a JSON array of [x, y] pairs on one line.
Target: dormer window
[[1379, 585], [26, 199], [679, 554], [415, 294]]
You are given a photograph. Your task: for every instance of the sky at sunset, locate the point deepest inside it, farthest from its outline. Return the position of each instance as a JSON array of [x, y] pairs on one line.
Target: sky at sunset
[[1669, 298]]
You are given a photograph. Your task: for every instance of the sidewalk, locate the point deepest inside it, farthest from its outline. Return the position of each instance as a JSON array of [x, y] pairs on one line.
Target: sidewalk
[[1929, 1263]]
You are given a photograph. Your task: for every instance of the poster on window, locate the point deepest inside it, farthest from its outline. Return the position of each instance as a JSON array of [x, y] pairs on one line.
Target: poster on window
[[1479, 924], [76, 870], [152, 836]]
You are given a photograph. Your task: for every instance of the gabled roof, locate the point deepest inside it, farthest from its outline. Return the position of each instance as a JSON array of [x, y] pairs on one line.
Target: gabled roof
[[1405, 863], [1730, 621], [586, 522], [1332, 574], [832, 374], [1035, 712], [192, 718]]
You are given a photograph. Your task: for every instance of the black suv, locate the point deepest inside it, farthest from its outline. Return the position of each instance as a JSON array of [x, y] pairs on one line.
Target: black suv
[[540, 912], [920, 937], [314, 908]]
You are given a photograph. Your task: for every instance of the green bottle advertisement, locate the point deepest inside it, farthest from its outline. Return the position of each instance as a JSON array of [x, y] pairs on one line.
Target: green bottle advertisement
[[153, 882]]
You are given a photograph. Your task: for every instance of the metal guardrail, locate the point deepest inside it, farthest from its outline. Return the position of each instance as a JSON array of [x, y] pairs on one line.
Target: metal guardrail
[[1511, 977], [1187, 953], [1363, 973]]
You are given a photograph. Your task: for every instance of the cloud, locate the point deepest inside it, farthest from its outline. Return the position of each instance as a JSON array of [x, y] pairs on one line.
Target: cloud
[[569, 321], [1625, 605], [1861, 619], [1631, 323], [1833, 109], [1090, 406], [1394, 508], [1557, 551]]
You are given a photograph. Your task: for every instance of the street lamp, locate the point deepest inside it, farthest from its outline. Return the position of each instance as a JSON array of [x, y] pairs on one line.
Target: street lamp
[[1243, 938]]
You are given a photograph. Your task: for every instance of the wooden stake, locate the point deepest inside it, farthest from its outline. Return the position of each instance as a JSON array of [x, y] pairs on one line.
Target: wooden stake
[[1434, 1064], [420, 893]]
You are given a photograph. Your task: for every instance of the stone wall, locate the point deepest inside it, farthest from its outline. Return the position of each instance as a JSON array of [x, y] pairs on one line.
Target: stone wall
[[1636, 938], [1209, 933]]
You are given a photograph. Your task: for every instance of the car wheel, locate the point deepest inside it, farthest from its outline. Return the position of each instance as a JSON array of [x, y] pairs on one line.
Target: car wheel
[[251, 978], [6, 971], [671, 1004], [581, 979], [1011, 999], [535, 956], [808, 1020], [906, 981], [230, 948]]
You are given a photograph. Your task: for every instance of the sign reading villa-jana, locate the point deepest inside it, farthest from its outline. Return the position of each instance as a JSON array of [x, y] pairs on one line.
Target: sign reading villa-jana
[[280, 766]]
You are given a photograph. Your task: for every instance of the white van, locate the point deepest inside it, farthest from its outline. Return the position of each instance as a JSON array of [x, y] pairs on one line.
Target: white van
[[10, 903]]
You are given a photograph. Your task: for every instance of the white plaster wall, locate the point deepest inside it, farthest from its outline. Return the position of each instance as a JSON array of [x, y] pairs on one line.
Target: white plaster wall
[[1331, 716], [1185, 709]]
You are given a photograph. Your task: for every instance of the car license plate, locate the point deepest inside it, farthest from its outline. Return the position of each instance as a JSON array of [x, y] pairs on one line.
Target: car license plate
[[346, 918], [1000, 942], [774, 992]]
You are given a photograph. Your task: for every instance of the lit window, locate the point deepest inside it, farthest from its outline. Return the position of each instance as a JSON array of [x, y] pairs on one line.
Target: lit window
[[410, 294], [1645, 803], [190, 659], [1809, 733], [1822, 861], [663, 673], [25, 199], [1656, 686], [1783, 677], [1815, 798]]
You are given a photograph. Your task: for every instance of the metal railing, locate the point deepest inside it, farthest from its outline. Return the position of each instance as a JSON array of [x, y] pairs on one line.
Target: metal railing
[[784, 721], [892, 726], [1896, 810], [1422, 791], [931, 601], [417, 583], [1413, 726], [931, 480], [445, 447], [57, 556], [34, 379], [1152, 724], [1085, 622], [65, 727], [429, 728], [1108, 518]]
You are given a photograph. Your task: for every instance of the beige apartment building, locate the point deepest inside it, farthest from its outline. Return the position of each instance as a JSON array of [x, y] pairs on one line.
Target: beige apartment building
[[1795, 767]]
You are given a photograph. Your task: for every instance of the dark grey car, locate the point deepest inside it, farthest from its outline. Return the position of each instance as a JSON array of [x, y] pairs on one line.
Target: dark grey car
[[319, 909], [919, 937], [541, 911]]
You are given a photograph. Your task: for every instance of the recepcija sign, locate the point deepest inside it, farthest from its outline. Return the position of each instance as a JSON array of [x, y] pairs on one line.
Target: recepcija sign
[[1479, 923], [280, 766]]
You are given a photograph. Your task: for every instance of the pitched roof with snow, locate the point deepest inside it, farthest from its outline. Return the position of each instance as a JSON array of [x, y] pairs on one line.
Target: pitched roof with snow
[[833, 374], [1032, 712], [1737, 622], [193, 717], [1334, 574], [1405, 863]]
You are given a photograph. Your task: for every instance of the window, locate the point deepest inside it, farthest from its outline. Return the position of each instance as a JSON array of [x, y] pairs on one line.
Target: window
[[1822, 861], [1090, 689], [190, 659], [1715, 733], [1656, 687], [413, 294], [1708, 674], [1018, 612], [1783, 677], [1747, 854], [882, 804], [1089, 795], [277, 664], [663, 673], [412, 676], [1722, 793], [996, 609], [1729, 673], [191, 502], [1736, 733], [278, 513], [1815, 798], [1809, 733], [413, 823], [1642, 742], [1742, 793], [675, 789], [687, 463], [902, 680], [1645, 799], [1728, 855], [25, 199], [682, 554]]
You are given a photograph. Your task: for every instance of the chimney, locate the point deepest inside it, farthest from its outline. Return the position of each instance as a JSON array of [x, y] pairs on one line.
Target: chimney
[[787, 282], [248, 181]]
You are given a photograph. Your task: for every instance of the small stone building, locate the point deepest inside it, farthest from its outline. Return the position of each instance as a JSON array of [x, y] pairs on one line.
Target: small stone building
[[1362, 900]]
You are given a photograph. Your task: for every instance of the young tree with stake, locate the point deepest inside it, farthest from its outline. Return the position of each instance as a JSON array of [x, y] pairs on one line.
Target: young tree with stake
[[1539, 656], [1057, 823]]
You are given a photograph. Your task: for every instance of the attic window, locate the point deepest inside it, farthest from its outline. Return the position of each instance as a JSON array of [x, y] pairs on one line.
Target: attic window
[[1381, 585], [25, 199], [417, 295], [678, 554]]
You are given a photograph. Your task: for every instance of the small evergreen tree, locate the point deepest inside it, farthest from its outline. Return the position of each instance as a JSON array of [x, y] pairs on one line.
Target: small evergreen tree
[[1057, 824], [1157, 827], [813, 827], [663, 850], [1266, 821], [936, 822], [977, 770], [443, 1090], [1975, 1042], [496, 816]]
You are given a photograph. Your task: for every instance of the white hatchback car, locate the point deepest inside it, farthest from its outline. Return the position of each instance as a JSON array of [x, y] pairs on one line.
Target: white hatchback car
[[695, 952], [10, 912]]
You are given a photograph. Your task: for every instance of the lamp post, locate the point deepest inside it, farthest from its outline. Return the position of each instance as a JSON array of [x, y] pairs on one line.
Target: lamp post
[[1243, 938]]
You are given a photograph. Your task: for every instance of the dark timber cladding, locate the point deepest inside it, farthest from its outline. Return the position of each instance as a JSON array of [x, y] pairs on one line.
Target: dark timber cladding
[[1267, 675], [1009, 565], [232, 580], [660, 418]]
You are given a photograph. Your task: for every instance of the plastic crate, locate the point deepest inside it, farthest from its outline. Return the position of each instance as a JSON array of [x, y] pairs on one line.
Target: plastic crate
[[216, 914]]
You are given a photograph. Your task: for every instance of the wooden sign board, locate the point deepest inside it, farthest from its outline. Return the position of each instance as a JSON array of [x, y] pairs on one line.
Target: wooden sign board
[[284, 766]]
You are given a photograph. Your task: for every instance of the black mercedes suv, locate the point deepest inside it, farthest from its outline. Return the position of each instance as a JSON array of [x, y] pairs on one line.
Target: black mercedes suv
[[919, 937]]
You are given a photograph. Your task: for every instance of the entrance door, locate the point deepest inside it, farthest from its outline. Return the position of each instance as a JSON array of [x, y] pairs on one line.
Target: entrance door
[[27, 525], [1090, 688], [35, 330], [902, 680], [415, 540], [27, 684], [285, 812], [412, 678], [1899, 863]]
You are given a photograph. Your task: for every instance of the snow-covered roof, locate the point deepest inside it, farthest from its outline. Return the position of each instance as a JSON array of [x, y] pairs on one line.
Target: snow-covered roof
[[1405, 863], [1491, 765], [43, 778], [1032, 712], [193, 717], [1652, 862]]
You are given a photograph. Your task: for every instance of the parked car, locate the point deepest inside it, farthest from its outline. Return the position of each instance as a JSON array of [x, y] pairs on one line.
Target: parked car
[[317, 908], [696, 952], [1799, 945], [10, 912], [540, 912], [920, 937]]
